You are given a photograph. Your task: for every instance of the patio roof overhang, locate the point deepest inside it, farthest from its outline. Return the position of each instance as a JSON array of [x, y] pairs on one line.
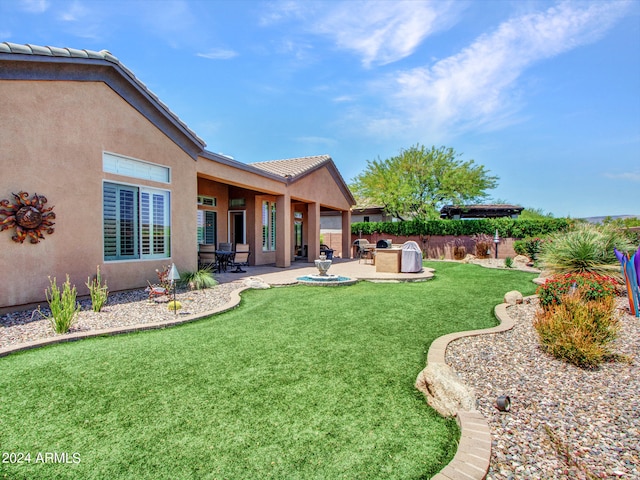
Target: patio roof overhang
[[480, 211]]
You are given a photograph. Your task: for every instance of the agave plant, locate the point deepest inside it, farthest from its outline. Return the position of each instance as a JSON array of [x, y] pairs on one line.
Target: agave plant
[[587, 248]]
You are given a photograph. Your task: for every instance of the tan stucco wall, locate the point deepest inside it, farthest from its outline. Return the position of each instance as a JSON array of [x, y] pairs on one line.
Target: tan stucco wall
[[320, 186], [238, 177], [52, 139]]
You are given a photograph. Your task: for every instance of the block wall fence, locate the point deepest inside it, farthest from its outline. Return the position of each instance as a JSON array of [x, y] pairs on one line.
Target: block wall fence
[[433, 246]]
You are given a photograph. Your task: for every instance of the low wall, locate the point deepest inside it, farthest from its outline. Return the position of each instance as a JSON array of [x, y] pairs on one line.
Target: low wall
[[441, 247]]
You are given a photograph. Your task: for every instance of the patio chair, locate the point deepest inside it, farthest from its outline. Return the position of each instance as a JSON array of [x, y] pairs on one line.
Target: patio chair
[[225, 247], [206, 255], [241, 258], [364, 250]]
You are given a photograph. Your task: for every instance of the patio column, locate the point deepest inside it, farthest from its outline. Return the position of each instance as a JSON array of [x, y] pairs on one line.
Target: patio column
[[283, 230], [313, 238], [346, 234]]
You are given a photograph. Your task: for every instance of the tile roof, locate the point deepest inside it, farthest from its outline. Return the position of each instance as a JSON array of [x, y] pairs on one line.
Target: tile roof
[[104, 55], [292, 167]]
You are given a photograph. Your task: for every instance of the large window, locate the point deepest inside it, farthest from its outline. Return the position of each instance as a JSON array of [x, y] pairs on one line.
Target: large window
[[136, 222], [268, 226]]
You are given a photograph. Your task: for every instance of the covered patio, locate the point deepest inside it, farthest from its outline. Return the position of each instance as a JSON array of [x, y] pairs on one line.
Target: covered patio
[[273, 206]]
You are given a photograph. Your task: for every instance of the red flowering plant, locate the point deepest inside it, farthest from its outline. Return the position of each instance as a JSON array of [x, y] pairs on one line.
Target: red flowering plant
[[590, 286]]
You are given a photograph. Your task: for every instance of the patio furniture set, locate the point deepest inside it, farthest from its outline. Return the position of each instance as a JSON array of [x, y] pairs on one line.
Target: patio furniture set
[[223, 256]]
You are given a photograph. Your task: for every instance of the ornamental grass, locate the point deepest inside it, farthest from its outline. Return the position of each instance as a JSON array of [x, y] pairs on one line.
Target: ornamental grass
[[578, 331], [587, 248], [62, 304]]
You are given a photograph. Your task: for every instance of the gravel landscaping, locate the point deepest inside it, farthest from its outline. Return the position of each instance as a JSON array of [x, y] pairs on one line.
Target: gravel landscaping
[[565, 422], [123, 309]]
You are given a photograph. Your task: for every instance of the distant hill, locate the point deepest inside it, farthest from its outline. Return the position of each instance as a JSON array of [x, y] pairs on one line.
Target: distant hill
[[600, 219]]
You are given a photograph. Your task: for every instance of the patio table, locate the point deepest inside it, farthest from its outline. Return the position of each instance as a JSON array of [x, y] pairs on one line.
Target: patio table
[[223, 257]]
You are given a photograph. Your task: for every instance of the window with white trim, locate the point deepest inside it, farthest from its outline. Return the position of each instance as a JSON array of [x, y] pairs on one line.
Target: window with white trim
[[268, 226], [136, 222], [132, 167]]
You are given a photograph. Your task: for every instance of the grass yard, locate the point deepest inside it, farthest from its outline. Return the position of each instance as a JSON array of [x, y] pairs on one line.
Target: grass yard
[[298, 383]]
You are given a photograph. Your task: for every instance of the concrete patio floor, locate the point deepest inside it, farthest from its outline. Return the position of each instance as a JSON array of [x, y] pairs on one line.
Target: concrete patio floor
[[344, 267]]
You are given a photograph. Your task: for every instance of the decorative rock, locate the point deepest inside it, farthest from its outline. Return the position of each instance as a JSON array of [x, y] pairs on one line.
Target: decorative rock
[[468, 258], [513, 298], [521, 259], [444, 390], [257, 283]]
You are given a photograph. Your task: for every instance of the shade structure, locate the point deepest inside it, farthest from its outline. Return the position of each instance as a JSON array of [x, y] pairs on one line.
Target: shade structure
[[411, 258]]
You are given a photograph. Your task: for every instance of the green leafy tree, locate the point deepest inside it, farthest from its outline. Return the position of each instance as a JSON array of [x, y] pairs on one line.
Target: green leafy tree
[[534, 214], [419, 181]]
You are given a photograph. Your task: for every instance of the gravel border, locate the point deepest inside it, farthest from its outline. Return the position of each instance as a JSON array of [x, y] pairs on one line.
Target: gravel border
[[123, 310], [565, 422]]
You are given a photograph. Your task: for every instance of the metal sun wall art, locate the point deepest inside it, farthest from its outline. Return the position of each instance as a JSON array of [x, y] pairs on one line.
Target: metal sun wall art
[[28, 215]]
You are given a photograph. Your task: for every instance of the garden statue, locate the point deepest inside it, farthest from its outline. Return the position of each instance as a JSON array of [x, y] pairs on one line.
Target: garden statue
[[631, 274]]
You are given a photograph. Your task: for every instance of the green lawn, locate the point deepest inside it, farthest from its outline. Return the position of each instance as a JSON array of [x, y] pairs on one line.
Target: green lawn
[[299, 382]]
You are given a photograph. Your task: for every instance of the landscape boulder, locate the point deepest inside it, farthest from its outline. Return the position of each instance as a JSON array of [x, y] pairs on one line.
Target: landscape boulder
[[256, 282], [468, 258], [521, 259], [513, 297], [444, 391]]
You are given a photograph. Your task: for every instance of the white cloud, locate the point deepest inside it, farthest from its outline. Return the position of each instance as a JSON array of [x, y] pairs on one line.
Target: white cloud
[[75, 13], [478, 87], [631, 176], [218, 54], [284, 10], [317, 140], [379, 32], [34, 6], [383, 32]]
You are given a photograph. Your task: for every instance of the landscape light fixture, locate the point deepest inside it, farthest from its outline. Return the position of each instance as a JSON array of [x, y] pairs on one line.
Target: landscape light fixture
[[174, 276], [503, 403], [496, 240]]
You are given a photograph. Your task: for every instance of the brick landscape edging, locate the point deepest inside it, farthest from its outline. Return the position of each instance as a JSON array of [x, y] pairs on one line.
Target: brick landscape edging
[[233, 302], [473, 456]]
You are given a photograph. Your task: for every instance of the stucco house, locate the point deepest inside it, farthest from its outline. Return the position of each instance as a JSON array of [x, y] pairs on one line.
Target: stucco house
[[131, 186]]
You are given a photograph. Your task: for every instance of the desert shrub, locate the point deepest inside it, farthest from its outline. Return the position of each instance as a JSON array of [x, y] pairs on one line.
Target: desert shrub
[[529, 247], [484, 244], [200, 279], [174, 305], [459, 249], [98, 291], [578, 331], [62, 304], [508, 262], [459, 252], [587, 248], [590, 286]]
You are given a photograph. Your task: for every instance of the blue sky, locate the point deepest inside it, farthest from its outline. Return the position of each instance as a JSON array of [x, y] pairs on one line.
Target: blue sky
[[545, 95]]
